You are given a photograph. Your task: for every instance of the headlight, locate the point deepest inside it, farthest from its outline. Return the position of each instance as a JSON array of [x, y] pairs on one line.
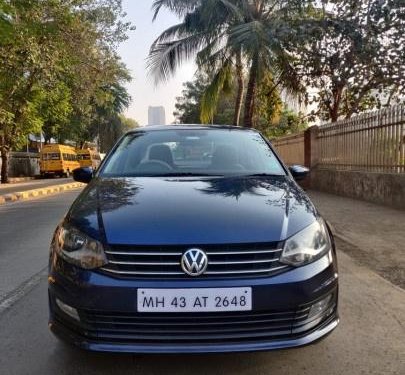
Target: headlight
[[307, 246], [79, 249]]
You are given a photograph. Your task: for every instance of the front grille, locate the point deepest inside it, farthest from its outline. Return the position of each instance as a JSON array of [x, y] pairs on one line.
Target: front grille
[[192, 328], [198, 328], [247, 260]]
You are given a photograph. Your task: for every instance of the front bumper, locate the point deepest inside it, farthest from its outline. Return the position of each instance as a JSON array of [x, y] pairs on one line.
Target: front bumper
[[110, 322]]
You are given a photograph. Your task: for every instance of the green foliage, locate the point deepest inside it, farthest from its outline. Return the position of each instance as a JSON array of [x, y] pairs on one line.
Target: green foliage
[[54, 109], [216, 31], [348, 52], [189, 105], [5, 24], [128, 123], [107, 123], [272, 117], [220, 83], [353, 57], [58, 69], [268, 102], [288, 122]]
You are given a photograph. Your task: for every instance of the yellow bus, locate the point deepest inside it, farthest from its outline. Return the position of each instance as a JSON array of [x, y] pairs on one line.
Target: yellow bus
[[58, 160], [88, 158]]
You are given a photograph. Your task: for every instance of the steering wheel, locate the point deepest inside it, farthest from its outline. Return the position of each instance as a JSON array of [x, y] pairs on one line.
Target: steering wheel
[[154, 166]]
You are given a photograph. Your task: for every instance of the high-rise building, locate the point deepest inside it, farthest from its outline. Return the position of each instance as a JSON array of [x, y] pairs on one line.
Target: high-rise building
[[156, 116]]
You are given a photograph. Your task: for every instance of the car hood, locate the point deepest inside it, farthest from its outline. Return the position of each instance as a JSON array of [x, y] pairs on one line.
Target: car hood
[[157, 211]]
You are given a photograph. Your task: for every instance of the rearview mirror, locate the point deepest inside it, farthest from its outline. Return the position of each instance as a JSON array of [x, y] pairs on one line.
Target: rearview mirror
[[83, 174], [299, 172]]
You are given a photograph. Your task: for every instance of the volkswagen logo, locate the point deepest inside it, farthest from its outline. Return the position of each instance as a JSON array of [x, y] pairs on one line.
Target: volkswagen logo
[[194, 262]]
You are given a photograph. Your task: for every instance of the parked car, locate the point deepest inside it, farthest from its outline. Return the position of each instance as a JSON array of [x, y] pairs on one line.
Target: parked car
[[192, 239]]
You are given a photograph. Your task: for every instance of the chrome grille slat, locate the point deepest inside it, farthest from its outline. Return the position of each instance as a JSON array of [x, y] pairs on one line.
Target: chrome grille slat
[[139, 272], [244, 272], [245, 260], [243, 252], [145, 263], [142, 254]]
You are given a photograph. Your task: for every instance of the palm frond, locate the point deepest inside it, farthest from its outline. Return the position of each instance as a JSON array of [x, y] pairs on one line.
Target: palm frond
[[210, 98], [172, 33], [179, 7], [165, 58], [221, 11], [250, 37], [214, 52]]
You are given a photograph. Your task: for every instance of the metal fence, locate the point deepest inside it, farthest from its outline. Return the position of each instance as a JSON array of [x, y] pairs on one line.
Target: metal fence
[[372, 141], [291, 148]]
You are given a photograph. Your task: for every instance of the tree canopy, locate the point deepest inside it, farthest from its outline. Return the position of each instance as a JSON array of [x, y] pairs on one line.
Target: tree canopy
[[272, 116], [354, 57], [59, 70], [343, 56]]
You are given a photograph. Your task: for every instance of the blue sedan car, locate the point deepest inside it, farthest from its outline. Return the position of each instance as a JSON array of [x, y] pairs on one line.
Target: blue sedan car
[[192, 239]]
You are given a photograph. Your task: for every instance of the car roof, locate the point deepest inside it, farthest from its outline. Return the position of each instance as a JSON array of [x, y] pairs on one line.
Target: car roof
[[190, 127]]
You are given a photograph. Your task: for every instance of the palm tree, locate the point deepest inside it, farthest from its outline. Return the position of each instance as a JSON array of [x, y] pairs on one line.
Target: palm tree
[[202, 33], [226, 33], [263, 33]]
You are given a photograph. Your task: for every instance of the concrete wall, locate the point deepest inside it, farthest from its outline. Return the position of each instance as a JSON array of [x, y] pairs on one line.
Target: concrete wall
[[22, 164], [382, 188]]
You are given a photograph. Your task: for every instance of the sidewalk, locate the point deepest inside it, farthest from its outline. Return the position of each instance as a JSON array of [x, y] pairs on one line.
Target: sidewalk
[[370, 233]]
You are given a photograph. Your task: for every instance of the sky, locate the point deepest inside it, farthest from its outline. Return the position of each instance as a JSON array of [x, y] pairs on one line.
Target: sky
[[134, 52]]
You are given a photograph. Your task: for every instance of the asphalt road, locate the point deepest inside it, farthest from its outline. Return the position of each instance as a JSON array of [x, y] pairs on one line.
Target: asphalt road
[[25, 231], [30, 185], [369, 340]]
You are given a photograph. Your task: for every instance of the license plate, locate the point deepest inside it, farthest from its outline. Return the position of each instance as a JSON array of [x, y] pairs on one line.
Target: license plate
[[194, 300]]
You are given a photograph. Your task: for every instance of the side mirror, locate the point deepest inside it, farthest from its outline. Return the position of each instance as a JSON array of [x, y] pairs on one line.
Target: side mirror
[[299, 172], [83, 174]]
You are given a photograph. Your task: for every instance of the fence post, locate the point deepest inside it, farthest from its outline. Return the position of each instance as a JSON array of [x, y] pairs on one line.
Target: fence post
[[311, 153], [311, 146]]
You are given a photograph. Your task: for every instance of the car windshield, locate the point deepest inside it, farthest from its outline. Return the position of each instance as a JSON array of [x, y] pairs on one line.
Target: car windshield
[[189, 152]]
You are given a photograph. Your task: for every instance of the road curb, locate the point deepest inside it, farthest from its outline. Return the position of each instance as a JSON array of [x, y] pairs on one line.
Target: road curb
[[48, 190]]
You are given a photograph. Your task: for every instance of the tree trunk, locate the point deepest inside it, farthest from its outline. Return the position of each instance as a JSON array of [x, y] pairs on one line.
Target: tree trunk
[[251, 94], [335, 106], [5, 154], [239, 95], [334, 113]]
